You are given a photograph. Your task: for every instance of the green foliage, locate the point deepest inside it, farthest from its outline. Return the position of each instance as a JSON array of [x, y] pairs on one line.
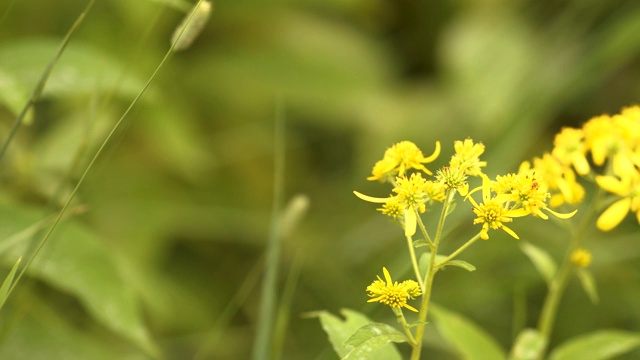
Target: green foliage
[[357, 335], [588, 284], [79, 263], [8, 281], [529, 345], [369, 338], [178, 206], [470, 341], [542, 261], [600, 345]]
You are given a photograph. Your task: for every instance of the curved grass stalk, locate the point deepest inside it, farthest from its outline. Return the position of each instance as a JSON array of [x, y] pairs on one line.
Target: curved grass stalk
[[100, 149]]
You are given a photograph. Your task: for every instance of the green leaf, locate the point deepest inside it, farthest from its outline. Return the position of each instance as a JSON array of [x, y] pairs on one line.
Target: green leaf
[[339, 331], [528, 345], [425, 260], [451, 208], [461, 264], [470, 341], [541, 260], [43, 334], [82, 69], [6, 284], [599, 345], [420, 243], [181, 5], [75, 261], [588, 284], [14, 95], [370, 338]]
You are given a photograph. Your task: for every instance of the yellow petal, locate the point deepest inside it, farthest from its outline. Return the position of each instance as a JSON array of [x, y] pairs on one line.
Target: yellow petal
[[387, 276], [410, 222], [612, 184], [371, 198], [433, 156], [517, 213], [486, 188], [510, 232], [581, 164], [410, 307], [561, 215], [611, 217], [464, 189]]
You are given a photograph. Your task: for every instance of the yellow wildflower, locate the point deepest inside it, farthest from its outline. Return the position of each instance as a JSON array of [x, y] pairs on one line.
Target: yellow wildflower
[[569, 148], [401, 157], [581, 258], [628, 188], [493, 212], [560, 180], [453, 177], [393, 208], [609, 137], [393, 293], [527, 191], [467, 157], [412, 194]]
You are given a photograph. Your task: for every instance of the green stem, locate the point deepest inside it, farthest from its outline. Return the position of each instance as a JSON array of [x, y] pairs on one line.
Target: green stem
[[457, 252], [405, 326], [431, 272], [423, 229], [560, 281], [414, 261]]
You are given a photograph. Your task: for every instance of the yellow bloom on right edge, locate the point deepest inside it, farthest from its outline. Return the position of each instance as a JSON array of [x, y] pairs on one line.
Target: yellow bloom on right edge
[[612, 144], [628, 188]]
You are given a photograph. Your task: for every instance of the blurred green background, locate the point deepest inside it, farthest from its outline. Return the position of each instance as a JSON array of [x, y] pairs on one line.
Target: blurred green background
[[165, 247]]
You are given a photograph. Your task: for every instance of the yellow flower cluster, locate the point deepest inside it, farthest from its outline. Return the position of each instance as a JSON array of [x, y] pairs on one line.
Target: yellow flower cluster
[[412, 192], [392, 293], [511, 196], [607, 149], [399, 158]]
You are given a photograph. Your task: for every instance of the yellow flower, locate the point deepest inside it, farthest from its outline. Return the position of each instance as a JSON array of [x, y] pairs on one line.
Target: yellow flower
[[527, 191], [493, 212], [611, 137], [560, 180], [628, 188], [401, 157], [392, 293], [412, 194], [569, 148], [467, 157], [393, 208], [581, 258], [453, 177]]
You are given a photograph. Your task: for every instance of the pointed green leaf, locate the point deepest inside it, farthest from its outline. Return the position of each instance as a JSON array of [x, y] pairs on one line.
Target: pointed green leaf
[[470, 341], [588, 284], [420, 243], [339, 331], [44, 333], [371, 337], [83, 69], [461, 264], [76, 261], [528, 345], [14, 95], [599, 345], [181, 5], [6, 284], [451, 208], [425, 260], [541, 260]]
